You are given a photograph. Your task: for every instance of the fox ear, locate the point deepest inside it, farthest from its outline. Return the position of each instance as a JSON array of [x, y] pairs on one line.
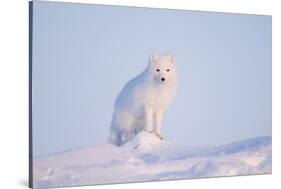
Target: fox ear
[[154, 56], [172, 58]]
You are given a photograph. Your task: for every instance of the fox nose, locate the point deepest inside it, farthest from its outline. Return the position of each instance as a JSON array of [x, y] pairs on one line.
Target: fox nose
[[163, 79]]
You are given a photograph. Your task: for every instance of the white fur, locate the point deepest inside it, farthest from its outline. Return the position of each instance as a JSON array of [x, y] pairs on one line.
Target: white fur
[[142, 102]]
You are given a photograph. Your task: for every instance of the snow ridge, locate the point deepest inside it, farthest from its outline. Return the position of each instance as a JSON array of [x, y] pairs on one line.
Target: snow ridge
[[146, 158]]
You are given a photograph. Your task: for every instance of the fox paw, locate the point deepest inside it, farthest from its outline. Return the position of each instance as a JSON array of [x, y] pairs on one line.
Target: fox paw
[[149, 131], [159, 136], [156, 134]]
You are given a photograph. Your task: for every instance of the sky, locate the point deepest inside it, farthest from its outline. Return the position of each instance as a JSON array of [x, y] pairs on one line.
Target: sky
[[84, 54]]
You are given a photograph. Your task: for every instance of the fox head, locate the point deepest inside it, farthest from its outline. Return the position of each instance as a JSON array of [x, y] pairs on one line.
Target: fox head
[[162, 68]]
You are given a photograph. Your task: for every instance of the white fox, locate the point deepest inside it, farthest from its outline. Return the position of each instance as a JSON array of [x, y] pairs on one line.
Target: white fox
[[142, 102]]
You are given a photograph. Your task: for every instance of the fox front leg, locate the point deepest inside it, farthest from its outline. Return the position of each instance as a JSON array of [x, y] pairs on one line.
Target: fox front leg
[[158, 122], [148, 120]]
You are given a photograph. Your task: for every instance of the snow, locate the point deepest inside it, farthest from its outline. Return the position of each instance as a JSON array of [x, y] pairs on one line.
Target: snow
[[146, 158]]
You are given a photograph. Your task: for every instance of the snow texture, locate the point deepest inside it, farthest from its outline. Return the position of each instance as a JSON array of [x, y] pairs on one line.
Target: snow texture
[[146, 158]]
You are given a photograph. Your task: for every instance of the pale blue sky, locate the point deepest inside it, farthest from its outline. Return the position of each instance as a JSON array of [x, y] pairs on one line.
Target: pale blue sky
[[84, 54]]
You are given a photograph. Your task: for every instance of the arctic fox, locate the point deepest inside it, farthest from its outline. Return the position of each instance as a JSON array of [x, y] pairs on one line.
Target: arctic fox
[[142, 102]]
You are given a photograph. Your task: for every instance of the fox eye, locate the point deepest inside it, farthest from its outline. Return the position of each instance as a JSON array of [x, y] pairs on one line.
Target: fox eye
[[158, 70], [168, 70]]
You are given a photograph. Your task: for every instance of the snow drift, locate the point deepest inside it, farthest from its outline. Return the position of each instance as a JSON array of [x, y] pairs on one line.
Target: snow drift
[[146, 158]]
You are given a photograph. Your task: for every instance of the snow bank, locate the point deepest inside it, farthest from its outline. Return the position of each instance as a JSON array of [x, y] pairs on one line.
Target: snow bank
[[146, 158]]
